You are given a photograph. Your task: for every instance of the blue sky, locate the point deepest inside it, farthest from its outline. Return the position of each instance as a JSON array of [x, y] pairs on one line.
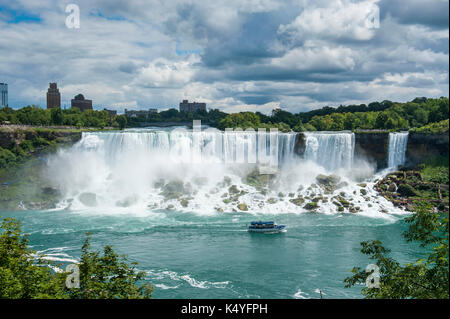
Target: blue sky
[[234, 55]]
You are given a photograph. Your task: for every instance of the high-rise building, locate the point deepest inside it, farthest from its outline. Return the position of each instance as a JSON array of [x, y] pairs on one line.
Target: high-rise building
[[80, 102], [53, 97], [185, 106], [4, 93]]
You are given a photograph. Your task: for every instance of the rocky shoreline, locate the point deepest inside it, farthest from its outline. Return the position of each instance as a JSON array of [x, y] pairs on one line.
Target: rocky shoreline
[[405, 188]]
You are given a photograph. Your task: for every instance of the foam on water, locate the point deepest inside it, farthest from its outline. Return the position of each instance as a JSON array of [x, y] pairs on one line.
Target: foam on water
[[301, 295], [155, 275]]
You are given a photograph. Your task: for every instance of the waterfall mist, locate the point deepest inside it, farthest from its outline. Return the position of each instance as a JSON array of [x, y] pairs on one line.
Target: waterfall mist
[[148, 170]]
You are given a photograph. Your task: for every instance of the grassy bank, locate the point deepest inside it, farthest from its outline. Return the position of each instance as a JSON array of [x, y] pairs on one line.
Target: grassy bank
[[427, 182]]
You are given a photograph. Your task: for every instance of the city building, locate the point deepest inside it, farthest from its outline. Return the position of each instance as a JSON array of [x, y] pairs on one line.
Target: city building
[[110, 112], [142, 113], [185, 106], [53, 97], [4, 94], [80, 102]]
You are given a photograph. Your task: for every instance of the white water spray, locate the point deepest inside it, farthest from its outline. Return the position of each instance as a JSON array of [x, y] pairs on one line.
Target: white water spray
[[330, 150], [397, 149], [138, 171]]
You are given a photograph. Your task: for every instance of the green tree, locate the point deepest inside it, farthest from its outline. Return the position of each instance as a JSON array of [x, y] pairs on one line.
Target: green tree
[[422, 279], [57, 116], [381, 120], [22, 275], [108, 276], [122, 121], [25, 275], [243, 120]]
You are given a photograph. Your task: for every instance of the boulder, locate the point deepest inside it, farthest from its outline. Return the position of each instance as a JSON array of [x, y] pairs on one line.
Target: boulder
[[88, 199], [257, 180], [127, 201], [324, 179], [175, 189], [242, 206], [311, 206], [297, 201], [184, 202], [392, 187], [233, 189]]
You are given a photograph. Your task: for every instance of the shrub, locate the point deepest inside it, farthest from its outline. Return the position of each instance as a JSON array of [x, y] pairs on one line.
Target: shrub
[[406, 190]]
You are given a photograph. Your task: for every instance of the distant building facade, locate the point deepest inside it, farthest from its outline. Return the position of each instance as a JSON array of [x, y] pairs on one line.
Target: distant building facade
[[185, 106], [143, 113], [111, 112], [53, 97], [80, 102], [4, 94]]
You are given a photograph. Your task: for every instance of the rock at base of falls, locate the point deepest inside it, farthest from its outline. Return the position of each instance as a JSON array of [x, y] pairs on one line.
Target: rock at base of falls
[[311, 206], [176, 189], [88, 199], [127, 202], [242, 207], [328, 180]]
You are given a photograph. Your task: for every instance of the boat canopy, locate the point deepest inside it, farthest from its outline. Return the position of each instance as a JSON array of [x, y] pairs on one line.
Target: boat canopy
[[262, 223]]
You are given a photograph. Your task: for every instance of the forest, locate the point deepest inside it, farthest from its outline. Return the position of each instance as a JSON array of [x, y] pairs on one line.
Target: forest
[[421, 115]]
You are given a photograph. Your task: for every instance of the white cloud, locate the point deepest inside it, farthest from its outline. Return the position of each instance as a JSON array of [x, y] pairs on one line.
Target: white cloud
[[164, 73], [338, 20], [317, 59], [125, 54]]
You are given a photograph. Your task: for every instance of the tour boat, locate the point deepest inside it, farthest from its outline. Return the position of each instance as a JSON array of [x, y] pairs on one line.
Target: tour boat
[[265, 227]]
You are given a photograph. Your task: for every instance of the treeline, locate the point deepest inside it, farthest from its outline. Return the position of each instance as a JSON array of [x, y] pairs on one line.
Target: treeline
[[211, 117], [420, 112], [35, 115], [386, 115]]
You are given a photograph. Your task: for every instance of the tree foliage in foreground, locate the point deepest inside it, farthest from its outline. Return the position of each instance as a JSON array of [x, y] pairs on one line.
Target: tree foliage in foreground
[[25, 275], [425, 278]]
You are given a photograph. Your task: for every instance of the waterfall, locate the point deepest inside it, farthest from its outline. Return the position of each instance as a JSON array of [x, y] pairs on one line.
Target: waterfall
[[397, 149], [201, 171], [212, 146], [330, 150]]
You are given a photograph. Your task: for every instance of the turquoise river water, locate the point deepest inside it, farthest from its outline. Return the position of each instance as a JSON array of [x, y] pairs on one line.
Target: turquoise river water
[[190, 256], [178, 203]]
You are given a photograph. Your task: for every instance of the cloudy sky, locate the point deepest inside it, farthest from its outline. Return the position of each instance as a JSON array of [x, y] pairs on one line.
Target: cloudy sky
[[233, 54]]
